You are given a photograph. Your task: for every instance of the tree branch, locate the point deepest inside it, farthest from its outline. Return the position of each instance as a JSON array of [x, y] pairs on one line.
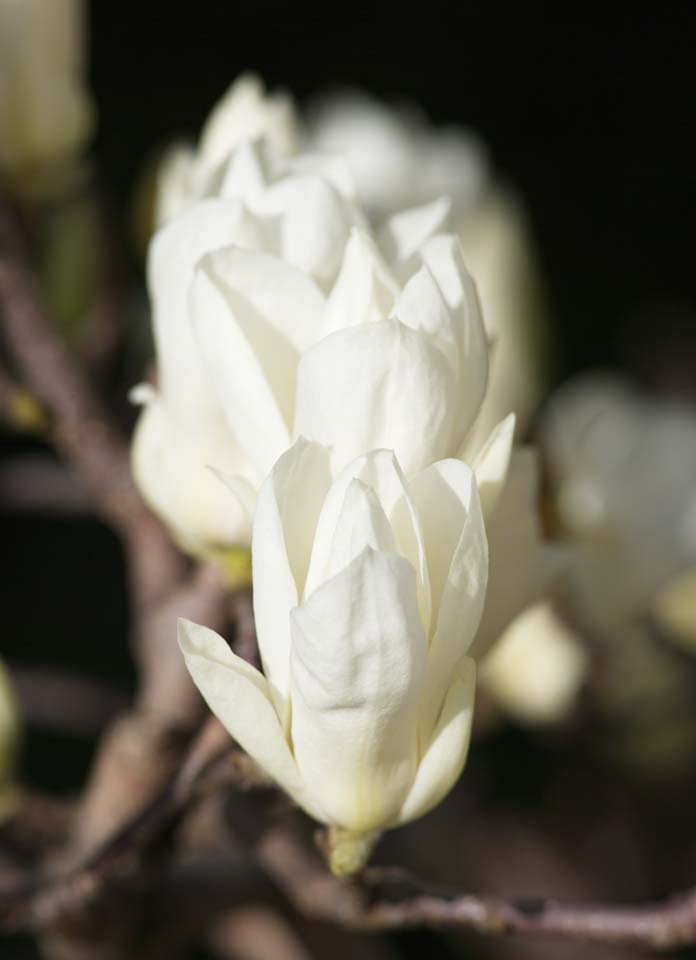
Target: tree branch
[[384, 900]]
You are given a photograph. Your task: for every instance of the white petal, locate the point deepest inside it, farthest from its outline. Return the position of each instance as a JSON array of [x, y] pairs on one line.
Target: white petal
[[244, 114], [356, 670], [372, 386], [314, 226], [288, 300], [243, 175], [380, 472], [492, 462], [238, 696], [535, 669], [171, 466], [252, 367], [173, 254], [519, 565], [287, 509], [243, 490], [447, 501], [361, 523], [405, 233], [422, 307], [365, 290], [443, 257], [445, 755]]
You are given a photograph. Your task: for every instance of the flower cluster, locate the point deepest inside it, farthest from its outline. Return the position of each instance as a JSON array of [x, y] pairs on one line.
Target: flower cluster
[[319, 396], [622, 467]]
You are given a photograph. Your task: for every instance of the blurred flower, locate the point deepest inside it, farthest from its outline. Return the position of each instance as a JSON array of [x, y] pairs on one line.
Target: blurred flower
[[45, 111], [368, 592], [246, 113], [398, 160], [623, 473], [674, 609], [535, 670]]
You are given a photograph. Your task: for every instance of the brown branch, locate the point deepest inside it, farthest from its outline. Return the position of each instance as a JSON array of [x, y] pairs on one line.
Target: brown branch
[[379, 901], [37, 906], [384, 900], [63, 701], [138, 754], [81, 430], [38, 484]]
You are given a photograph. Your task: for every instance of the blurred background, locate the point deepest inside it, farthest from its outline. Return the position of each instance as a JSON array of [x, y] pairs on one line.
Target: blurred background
[[589, 116]]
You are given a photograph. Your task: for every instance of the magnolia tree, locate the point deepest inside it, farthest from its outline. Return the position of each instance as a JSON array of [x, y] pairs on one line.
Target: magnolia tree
[[347, 325]]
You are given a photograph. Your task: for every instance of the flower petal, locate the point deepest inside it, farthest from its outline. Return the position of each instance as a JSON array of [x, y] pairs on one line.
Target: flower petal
[[445, 756], [372, 386], [422, 307], [356, 671], [252, 366], [492, 462], [535, 669], [238, 696], [404, 234], [171, 465], [314, 227], [365, 289], [447, 501], [287, 509], [379, 471], [361, 523], [443, 257], [174, 252]]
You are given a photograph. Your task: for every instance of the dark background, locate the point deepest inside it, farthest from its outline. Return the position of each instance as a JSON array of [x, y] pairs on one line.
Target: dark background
[[588, 109], [591, 114]]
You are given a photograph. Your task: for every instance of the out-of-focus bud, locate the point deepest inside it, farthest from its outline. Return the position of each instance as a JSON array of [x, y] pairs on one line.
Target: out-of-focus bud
[[674, 609], [45, 111], [535, 670]]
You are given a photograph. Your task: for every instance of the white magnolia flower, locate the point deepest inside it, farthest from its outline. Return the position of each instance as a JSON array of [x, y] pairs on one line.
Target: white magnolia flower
[[45, 111], [398, 161], [535, 670], [275, 316], [299, 327], [246, 113], [368, 592], [623, 471]]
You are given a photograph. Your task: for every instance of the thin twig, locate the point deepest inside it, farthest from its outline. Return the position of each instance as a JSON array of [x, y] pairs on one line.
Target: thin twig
[[38, 484], [384, 900], [66, 702]]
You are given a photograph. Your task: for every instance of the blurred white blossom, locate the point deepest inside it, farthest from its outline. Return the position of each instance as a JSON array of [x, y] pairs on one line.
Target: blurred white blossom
[[623, 474], [46, 114], [368, 592], [535, 670]]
